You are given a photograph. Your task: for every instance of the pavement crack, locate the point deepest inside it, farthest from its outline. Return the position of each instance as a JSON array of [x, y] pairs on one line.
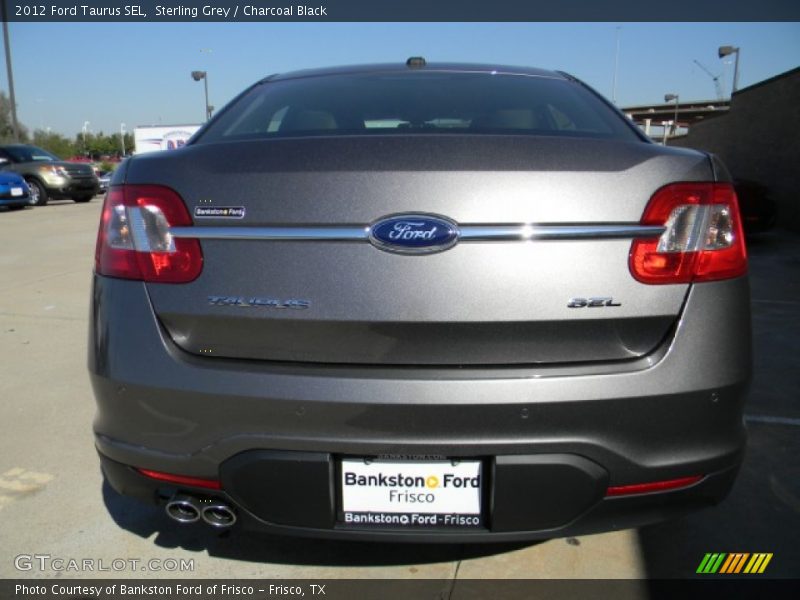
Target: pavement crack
[[43, 316], [22, 284], [772, 420], [448, 594], [786, 302]]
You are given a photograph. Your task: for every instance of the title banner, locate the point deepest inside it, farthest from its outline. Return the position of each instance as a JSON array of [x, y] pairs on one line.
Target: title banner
[[402, 10]]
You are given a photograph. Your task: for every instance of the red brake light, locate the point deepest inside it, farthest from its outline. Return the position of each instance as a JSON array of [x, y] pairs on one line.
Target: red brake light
[[653, 486], [703, 238], [211, 484], [134, 240]]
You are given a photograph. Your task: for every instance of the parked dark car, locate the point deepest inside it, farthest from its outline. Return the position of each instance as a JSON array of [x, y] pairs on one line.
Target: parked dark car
[[421, 302], [103, 180], [759, 212], [48, 176], [14, 192]]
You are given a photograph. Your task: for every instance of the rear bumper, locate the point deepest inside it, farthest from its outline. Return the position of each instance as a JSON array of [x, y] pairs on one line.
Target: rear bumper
[[551, 503], [677, 414]]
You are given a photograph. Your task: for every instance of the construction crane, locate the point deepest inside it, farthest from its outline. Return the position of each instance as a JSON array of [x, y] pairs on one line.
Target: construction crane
[[717, 84]]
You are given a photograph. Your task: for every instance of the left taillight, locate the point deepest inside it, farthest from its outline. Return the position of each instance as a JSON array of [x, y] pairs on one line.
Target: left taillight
[[134, 240]]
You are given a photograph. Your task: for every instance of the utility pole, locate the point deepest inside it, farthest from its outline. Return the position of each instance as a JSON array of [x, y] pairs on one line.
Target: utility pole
[[11, 96], [616, 68], [122, 137], [85, 128], [197, 76]]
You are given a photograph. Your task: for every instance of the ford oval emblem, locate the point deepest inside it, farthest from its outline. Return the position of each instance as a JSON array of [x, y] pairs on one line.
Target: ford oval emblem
[[413, 234]]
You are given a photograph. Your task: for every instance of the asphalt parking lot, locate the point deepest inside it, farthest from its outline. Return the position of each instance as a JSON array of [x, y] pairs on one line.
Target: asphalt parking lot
[[53, 500]]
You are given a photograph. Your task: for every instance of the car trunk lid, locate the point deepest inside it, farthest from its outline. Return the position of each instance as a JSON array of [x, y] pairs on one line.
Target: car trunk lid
[[330, 296]]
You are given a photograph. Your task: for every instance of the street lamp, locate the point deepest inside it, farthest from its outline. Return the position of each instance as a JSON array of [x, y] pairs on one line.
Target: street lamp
[[726, 51], [84, 129], [197, 76], [616, 69], [122, 138], [670, 98]]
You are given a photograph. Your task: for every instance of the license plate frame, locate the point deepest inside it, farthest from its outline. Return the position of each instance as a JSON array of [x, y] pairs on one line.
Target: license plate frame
[[458, 488]]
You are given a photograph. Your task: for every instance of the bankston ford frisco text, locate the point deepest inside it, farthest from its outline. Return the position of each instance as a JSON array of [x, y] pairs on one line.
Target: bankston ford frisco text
[[405, 481]]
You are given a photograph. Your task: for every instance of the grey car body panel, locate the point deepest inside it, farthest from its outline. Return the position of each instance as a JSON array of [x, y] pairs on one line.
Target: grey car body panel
[[692, 394], [493, 303], [721, 172], [471, 352]]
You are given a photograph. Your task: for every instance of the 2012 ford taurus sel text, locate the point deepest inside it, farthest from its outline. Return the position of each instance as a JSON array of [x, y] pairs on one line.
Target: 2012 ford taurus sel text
[[421, 302]]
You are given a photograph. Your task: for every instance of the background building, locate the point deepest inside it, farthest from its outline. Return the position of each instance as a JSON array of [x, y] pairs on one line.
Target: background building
[[759, 140]]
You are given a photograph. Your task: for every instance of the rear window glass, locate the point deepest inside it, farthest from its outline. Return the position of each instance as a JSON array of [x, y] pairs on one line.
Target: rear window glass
[[417, 103]]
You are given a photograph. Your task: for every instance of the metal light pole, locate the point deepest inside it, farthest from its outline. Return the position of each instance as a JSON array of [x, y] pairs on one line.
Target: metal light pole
[[725, 51], [197, 76], [84, 129], [11, 96], [209, 108], [616, 68], [668, 98], [122, 137]]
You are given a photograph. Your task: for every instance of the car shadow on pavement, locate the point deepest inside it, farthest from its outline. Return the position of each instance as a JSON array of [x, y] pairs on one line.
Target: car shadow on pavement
[[761, 515], [762, 512], [145, 520]]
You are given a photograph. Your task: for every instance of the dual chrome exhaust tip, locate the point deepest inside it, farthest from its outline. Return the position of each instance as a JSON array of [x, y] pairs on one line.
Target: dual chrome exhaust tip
[[188, 509]]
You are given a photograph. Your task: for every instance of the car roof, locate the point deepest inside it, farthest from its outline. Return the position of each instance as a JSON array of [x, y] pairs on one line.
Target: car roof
[[428, 67]]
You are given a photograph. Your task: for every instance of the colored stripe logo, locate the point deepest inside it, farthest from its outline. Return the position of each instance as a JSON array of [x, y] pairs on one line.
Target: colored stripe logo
[[734, 563]]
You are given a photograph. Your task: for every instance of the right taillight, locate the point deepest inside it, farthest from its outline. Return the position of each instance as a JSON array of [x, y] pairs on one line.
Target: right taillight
[[135, 242], [702, 239]]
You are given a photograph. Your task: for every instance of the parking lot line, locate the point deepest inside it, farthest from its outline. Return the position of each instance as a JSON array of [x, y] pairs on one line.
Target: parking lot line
[[772, 420]]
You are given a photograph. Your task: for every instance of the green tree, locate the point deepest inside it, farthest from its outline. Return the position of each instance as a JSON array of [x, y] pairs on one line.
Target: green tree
[[98, 145], [55, 143], [6, 126]]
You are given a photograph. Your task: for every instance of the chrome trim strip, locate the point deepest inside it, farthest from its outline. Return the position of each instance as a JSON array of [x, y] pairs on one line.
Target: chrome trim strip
[[468, 233], [492, 233]]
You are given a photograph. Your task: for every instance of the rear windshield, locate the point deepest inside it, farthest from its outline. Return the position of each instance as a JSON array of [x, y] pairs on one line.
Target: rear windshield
[[417, 103]]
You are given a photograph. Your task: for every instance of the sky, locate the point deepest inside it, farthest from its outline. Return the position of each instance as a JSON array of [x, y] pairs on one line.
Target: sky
[[139, 73]]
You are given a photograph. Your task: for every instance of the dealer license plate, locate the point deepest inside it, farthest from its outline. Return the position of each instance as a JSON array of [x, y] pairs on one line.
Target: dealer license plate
[[411, 494]]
